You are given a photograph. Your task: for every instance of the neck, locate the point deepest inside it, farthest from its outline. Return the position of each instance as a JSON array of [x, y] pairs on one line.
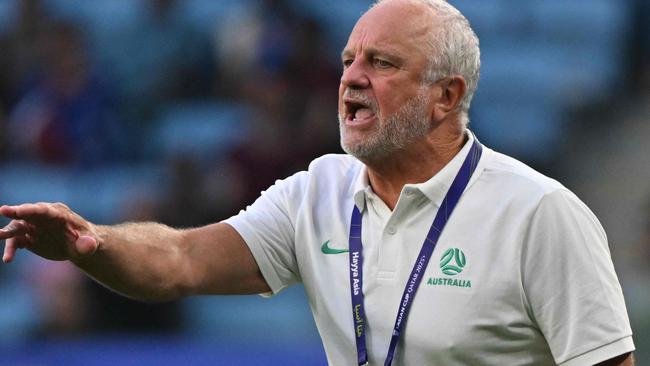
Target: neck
[[417, 164]]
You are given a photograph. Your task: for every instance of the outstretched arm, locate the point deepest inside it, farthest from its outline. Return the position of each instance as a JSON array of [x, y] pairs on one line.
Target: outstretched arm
[[146, 261], [623, 360]]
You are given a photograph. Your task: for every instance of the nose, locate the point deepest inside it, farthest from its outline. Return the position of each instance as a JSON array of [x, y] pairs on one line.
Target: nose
[[355, 76]]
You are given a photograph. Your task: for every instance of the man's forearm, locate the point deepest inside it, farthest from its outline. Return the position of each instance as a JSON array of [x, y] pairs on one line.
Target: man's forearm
[[626, 359], [144, 261]]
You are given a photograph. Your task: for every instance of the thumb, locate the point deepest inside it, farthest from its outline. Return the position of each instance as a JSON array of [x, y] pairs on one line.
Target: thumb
[[85, 245]]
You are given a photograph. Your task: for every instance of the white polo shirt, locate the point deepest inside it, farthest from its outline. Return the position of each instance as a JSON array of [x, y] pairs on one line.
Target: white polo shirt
[[521, 275]]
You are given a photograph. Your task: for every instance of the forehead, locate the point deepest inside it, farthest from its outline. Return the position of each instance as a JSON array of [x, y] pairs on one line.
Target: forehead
[[398, 25]]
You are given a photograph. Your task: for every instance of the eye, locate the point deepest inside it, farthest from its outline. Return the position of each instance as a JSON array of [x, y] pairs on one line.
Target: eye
[[347, 62], [382, 64]]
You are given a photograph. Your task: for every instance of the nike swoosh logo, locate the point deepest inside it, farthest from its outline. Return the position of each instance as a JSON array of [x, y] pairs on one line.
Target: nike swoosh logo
[[325, 248]]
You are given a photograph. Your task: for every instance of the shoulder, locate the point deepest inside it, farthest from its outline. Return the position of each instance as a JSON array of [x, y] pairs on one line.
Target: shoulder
[[337, 164], [334, 172], [511, 179], [510, 171], [325, 175], [514, 188], [516, 185]]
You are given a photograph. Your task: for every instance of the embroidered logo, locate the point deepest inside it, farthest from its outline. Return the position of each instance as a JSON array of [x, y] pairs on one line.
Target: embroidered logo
[[325, 248], [452, 263]]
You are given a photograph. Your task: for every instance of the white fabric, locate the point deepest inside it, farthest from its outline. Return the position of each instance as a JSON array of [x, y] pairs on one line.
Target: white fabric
[[538, 286]]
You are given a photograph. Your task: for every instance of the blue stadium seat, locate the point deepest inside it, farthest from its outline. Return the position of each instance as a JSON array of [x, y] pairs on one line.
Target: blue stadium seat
[[17, 317], [7, 10], [528, 130], [97, 194], [286, 316], [203, 130], [486, 17], [600, 21], [107, 16], [206, 14]]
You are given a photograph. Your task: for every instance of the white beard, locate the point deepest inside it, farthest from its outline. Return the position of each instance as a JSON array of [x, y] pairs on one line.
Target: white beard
[[395, 133]]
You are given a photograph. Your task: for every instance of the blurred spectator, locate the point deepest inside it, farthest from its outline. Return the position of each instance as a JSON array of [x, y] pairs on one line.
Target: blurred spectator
[[21, 49], [267, 153], [281, 66], [66, 116], [254, 42], [639, 47], [185, 204], [310, 68]]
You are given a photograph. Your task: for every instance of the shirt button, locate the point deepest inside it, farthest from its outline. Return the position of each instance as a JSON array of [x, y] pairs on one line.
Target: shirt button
[[391, 230]]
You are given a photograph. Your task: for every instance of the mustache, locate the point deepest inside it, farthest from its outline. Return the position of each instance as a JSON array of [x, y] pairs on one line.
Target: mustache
[[362, 97]]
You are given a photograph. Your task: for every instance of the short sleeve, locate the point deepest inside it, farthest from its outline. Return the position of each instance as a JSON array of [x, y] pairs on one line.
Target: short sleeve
[[570, 286], [268, 228]]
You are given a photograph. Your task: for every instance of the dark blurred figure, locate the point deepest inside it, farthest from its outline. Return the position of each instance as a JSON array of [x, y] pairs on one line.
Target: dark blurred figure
[[289, 79], [313, 69], [253, 43], [266, 154], [19, 58], [185, 203], [21, 49], [67, 115], [639, 47]]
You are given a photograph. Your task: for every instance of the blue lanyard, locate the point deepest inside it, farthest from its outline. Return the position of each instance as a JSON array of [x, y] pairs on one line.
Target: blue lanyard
[[356, 259]]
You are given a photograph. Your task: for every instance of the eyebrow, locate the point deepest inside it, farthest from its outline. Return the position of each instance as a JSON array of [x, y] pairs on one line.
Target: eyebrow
[[347, 52], [372, 51]]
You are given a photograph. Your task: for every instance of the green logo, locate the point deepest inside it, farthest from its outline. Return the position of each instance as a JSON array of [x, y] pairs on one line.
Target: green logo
[[452, 261], [325, 248]]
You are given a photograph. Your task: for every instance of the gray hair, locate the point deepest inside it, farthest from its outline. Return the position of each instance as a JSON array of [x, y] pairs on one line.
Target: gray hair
[[453, 49]]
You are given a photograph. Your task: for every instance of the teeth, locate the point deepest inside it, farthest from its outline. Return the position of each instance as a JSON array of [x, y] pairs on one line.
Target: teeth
[[358, 111]]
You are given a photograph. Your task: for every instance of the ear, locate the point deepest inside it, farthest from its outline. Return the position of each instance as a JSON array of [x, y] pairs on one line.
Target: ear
[[450, 92]]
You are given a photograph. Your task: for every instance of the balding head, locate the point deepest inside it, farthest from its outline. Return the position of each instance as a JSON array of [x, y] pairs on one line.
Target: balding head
[[452, 47]]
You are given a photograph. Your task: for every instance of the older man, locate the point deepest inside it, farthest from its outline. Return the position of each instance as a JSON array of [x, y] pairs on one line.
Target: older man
[[521, 272]]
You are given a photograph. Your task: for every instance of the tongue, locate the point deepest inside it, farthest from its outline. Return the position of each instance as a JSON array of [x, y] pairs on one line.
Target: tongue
[[363, 113]]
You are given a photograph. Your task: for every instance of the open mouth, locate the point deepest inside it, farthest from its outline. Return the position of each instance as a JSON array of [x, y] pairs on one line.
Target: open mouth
[[357, 111]]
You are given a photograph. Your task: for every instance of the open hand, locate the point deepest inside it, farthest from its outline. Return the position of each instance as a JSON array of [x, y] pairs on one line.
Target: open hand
[[50, 230]]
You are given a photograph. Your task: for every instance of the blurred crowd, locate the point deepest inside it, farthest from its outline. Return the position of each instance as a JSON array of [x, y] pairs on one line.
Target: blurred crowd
[[221, 98], [69, 104]]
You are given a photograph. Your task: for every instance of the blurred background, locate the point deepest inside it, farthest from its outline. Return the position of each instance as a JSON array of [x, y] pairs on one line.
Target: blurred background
[[183, 111]]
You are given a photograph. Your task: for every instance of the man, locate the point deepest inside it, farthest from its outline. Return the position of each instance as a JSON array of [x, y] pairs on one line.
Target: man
[[521, 273]]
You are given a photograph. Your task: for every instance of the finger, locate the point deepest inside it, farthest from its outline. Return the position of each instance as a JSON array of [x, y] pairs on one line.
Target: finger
[[8, 211], [18, 212], [32, 210], [15, 228], [10, 251], [12, 245]]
